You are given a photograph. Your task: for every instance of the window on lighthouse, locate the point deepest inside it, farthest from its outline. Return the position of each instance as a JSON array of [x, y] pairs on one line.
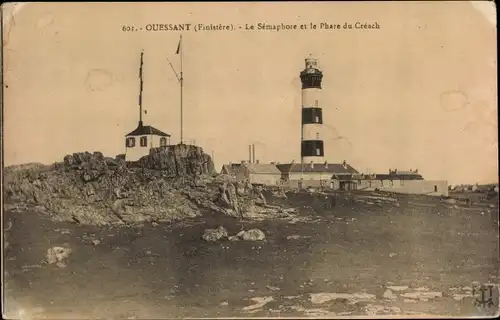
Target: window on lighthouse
[[130, 142], [144, 141], [163, 142]]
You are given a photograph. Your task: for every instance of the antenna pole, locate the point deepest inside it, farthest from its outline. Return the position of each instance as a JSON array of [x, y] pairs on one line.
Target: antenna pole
[[171, 66], [182, 85], [140, 89]]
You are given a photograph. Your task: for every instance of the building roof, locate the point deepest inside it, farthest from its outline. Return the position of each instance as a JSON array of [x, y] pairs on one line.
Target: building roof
[[231, 168], [348, 177], [266, 168], [395, 176], [142, 130], [336, 168]]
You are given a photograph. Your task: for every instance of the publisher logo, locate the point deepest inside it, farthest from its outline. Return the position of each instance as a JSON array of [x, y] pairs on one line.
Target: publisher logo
[[486, 297]]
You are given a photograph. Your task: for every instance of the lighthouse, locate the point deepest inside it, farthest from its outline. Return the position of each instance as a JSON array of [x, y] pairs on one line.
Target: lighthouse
[[312, 146]]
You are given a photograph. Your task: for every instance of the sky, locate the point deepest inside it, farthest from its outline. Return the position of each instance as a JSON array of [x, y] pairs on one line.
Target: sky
[[420, 92]]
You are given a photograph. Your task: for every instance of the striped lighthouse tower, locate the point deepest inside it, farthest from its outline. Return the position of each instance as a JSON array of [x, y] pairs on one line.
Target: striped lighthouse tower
[[312, 149]]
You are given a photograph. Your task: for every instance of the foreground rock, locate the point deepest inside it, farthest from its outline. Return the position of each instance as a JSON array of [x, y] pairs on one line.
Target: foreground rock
[[252, 235], [58, 256], [215, 234], [351, 298]]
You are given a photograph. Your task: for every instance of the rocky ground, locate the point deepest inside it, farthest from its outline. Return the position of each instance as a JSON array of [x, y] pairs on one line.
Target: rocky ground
[[406, 257], [243, 252]]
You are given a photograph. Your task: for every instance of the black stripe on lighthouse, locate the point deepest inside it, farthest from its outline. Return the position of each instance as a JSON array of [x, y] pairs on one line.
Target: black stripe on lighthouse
[[311, 80], [312, 115], [312, 148]]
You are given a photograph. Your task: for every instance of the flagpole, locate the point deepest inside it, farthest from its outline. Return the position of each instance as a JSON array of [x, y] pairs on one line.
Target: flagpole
[[182, 85], [140, 89]]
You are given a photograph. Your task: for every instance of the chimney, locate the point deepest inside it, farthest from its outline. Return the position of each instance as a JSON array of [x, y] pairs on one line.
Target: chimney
[[326, 164], [389, 170], [293, 161], [344, 164], [312, 164], [253, 152], [257, 161], [250, 153], [243, 161], [273, 163]]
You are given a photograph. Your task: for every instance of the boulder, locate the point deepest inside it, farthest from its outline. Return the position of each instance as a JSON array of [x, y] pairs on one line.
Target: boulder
[[449, 201], [214, 234], [58, 255], [252, 235]]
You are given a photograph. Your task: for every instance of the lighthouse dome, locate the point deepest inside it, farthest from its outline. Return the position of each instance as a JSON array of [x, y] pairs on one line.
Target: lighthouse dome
[[311, 62]]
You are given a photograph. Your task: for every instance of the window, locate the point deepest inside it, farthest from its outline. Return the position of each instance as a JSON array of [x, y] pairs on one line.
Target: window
[[163, 142], [144, 141], [318, 152], [130, 142]]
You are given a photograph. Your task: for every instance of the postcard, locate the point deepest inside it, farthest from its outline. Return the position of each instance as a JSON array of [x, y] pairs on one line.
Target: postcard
[[250, 160]]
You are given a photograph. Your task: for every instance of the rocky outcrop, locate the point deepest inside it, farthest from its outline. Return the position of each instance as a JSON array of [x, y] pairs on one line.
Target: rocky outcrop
[[88, 188], [178, 160]]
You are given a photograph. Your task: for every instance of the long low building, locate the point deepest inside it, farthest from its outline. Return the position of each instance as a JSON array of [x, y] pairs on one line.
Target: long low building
[[331, 175], [335, 176], [260, 174], [410, 181]]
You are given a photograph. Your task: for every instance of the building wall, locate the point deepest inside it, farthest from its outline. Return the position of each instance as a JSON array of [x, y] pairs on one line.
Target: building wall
[[312, 179], [294, 184], [242, 174], [335, 184], [137, 152], [310, 176], [270, 179], [409, 186]]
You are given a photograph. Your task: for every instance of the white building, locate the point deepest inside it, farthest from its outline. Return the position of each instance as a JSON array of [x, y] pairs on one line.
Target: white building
[[256, 173], [141, 140]]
